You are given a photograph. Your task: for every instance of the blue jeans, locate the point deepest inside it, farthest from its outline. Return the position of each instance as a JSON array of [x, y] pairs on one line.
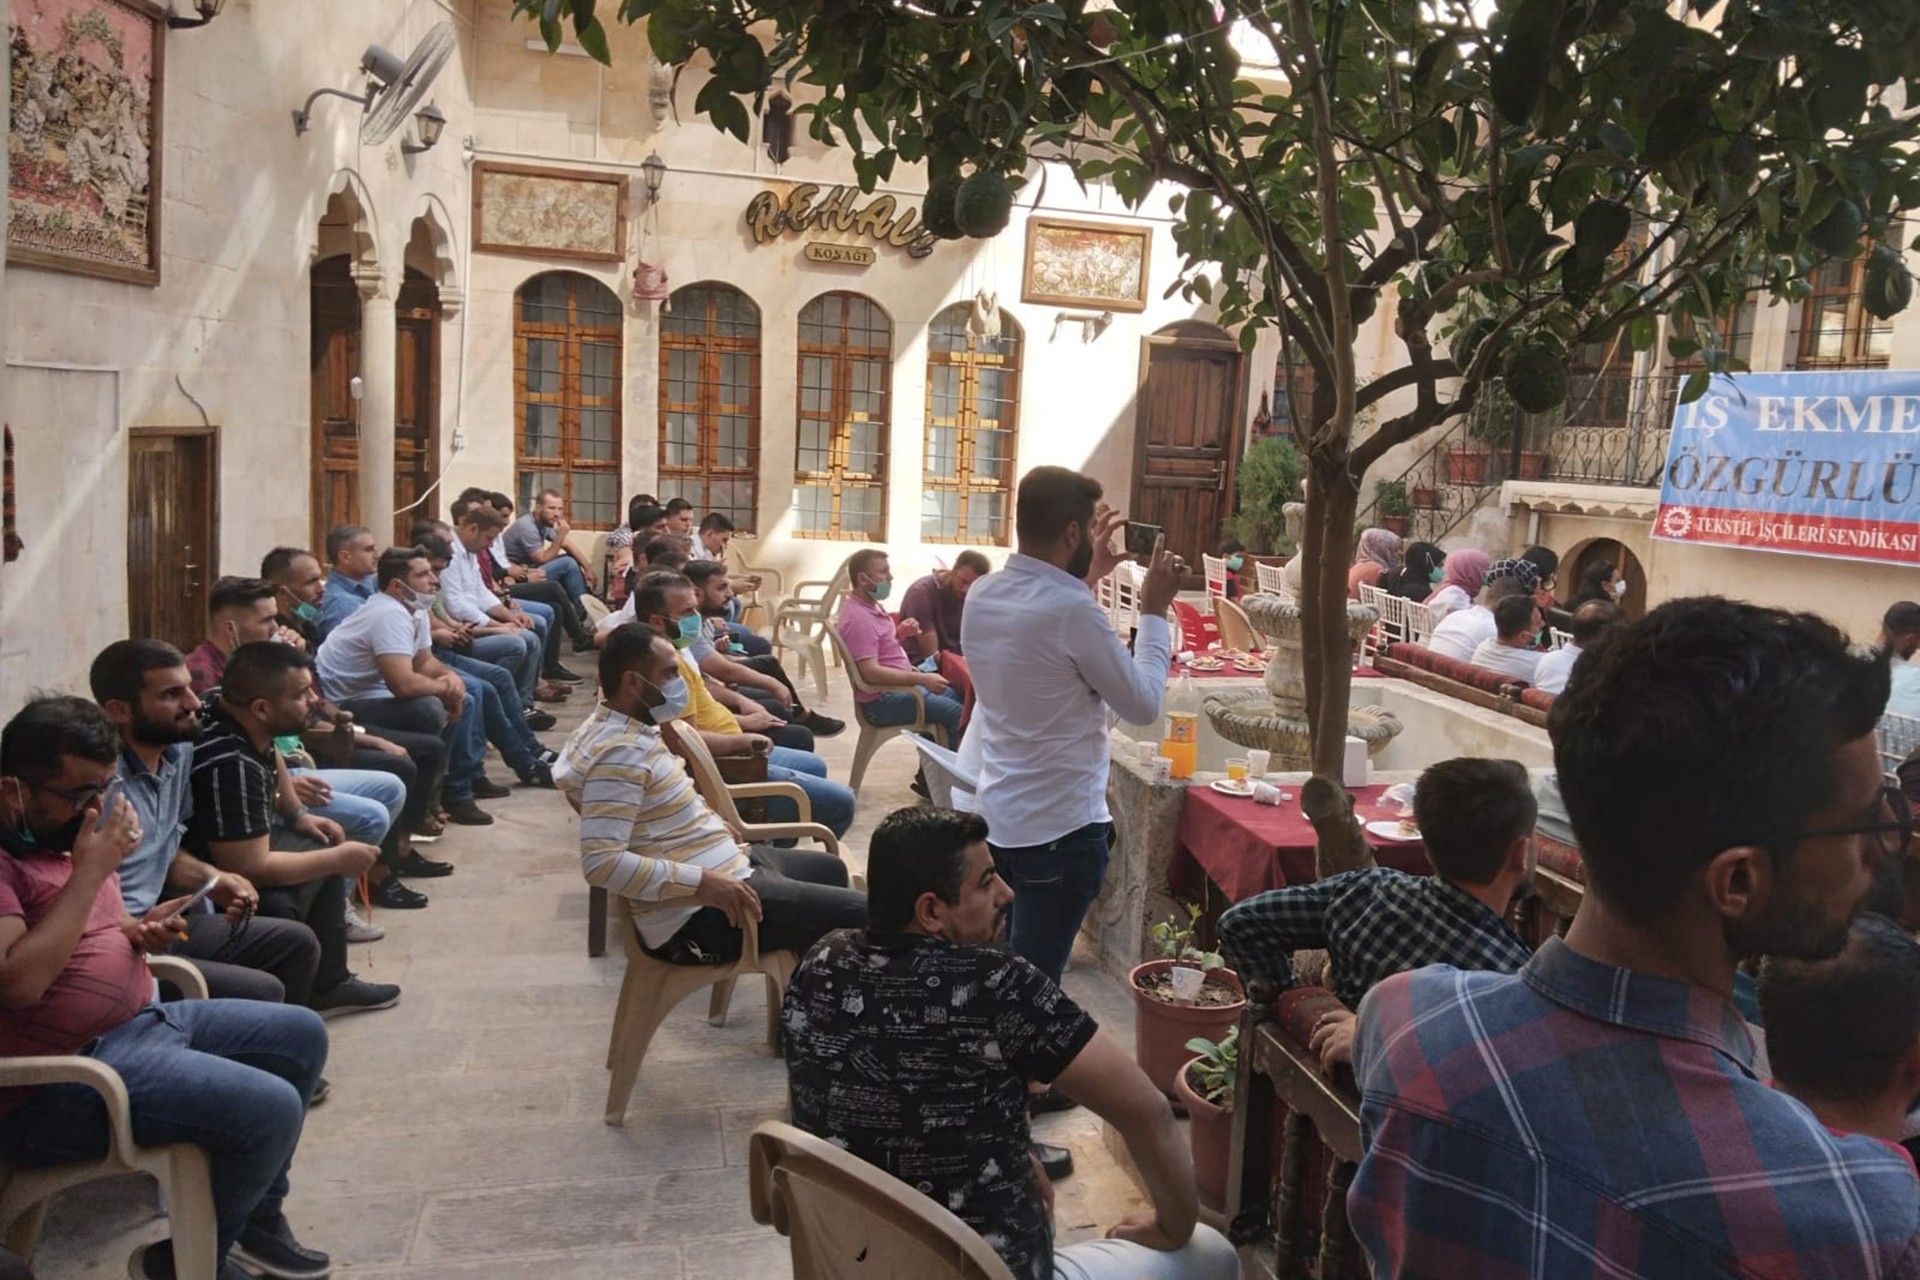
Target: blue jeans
[[230, 1076], [896, 707], [831, 801], [518, 653], [502, 721], [1053, 885], [565, 570], [365, 803]]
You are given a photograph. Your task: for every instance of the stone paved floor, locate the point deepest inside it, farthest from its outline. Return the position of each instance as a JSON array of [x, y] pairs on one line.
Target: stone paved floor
[[463, 1139]]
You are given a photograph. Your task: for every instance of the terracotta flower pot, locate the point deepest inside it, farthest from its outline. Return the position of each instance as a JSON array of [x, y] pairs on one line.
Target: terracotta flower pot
[[1210, 1131], [1396, 524], [1533, 464], [1467, 466], [1161, 1030], [1424, 498]]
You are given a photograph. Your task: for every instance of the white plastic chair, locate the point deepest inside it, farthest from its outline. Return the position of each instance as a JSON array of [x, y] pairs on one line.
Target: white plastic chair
[[1106, 596], [1899, 738], [1420, 622], [949, 782], [1561, 639], [1390, 630], [1215, 569], [1272, 579], [1127, 578], [179, 1168]]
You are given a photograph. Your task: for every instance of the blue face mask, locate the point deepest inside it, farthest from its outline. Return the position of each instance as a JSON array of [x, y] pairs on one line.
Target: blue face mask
[[1234, 563], [1435, 574], [689, 631], [882, 589], [678, 698]]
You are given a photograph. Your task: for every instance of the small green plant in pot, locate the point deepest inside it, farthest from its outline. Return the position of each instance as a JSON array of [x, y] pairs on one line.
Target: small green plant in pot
[[1395, 507], [1211, 1074], [1188, 991], [1205, 1089], [1190, 963]]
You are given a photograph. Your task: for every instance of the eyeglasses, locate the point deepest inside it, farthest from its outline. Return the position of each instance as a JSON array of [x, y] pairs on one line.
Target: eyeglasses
[[79, 798], [1892, 800]]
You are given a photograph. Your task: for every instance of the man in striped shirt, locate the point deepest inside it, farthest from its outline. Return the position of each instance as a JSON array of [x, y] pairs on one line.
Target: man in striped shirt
[[646, 834]]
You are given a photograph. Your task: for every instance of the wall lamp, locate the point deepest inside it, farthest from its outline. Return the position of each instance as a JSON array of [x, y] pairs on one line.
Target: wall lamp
[[653, 172], [428, 121], [207, 9]]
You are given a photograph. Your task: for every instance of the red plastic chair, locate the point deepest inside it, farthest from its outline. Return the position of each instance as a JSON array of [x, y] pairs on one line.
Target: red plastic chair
[[1198, 632]]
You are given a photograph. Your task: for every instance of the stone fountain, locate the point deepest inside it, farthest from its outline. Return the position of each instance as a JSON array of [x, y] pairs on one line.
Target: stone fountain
[[1276, 720]]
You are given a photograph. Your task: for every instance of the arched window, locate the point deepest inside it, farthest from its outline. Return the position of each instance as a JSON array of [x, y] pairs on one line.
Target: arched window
[[840, 462], [973, 421], [566, 395], [710, 401]]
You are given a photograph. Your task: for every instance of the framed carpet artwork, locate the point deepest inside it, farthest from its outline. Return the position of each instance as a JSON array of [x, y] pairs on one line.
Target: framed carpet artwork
[[83, 144]]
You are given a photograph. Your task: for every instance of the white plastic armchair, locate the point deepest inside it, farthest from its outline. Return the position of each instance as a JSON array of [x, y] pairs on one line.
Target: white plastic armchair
[[800, 623]]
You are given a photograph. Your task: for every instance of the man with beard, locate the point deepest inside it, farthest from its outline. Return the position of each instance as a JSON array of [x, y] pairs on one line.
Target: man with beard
[[1047, 671], [1599, 1113], [1476, 817], [240, 783], [759, 678], [911, 1044], [145, 689]]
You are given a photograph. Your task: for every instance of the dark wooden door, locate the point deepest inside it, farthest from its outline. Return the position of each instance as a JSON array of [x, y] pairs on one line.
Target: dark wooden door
[[1189, 409], [416, 437], [171, 503], [334, 427]]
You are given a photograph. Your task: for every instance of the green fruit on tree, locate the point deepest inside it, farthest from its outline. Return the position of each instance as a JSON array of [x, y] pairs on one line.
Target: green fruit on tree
[[937, 210], [1889, 284], [1536, 377], [984, 205], [1838, 234]]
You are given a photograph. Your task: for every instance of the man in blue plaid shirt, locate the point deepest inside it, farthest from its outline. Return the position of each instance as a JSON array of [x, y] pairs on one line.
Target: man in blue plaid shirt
[[1599, 1113], [1476, 817]]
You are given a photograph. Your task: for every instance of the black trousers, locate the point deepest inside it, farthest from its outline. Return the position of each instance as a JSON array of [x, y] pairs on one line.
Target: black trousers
[[320, 904], [274, 960], [566, 612], [803, 897]]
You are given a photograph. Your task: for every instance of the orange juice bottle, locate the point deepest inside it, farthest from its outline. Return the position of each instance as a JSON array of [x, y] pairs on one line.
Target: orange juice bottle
[[1181, 741]]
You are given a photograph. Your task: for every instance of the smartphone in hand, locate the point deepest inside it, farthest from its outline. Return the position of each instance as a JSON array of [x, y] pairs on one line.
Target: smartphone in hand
[[1141, 537]]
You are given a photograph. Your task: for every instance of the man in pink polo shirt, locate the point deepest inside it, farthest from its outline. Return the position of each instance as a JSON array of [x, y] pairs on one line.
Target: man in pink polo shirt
[[873, 636]]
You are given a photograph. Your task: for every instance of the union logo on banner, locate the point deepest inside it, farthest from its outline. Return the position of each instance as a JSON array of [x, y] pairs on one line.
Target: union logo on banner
[[1815, 463]]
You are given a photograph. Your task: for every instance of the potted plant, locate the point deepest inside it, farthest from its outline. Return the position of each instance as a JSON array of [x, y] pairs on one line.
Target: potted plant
[[1425, 497], [1394, 507], [1205, 1087], [1269, 479], [1188, 992]]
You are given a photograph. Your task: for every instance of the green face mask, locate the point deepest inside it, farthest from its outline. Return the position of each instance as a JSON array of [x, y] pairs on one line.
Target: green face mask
[[882, 589], [304, 611], [688, 630], [1435, 574]]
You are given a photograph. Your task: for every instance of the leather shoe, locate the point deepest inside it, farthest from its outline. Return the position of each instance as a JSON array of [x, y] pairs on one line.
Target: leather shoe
[[583, 644], [558, 672], [823, 726], [423, 868], [1057, 1161], [485, 788], [540, 721], [468, 814], [393, 894]]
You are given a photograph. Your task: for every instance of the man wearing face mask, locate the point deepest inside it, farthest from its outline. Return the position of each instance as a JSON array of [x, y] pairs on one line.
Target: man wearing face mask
[[873, 639], [646, 834], [1512, 650], [1047, 672], [298, 586]]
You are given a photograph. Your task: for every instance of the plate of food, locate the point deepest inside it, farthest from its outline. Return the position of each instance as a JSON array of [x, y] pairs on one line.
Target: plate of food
[[1227, 787], [1401, 830], [1205, 664], [1249, 664]]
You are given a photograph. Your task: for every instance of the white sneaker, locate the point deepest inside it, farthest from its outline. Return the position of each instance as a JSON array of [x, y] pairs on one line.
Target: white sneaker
[[359, 930]]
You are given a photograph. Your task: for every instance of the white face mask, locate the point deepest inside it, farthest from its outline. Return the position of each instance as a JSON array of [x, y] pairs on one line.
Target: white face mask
[[421, 602], [1618, 587]]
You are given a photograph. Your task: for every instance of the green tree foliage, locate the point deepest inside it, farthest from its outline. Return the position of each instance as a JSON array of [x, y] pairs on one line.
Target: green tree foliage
[[1560, 171]]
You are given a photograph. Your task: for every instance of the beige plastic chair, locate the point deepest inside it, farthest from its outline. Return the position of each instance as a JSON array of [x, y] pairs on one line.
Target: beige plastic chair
[[180, 1168], [1236, 629], [849, 1220], [591, 548], [873, 735], [802, 620], [771, 582], [652, 988]]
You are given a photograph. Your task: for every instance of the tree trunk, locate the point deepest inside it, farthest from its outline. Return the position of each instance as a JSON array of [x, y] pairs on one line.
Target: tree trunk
[[1332, 501], [1339, 844]]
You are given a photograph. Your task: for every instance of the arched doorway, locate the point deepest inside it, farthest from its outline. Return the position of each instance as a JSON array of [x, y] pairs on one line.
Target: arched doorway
[[1184, 431], [416, 400], [1587, 555], [334, 426]]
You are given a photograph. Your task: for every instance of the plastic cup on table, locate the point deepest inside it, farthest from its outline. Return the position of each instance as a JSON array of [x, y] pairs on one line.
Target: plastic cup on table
[[1257, 762], [1237, 769]]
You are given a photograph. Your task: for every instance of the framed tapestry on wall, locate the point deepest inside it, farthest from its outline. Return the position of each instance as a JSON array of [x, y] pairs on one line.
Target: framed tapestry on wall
[[546, 213], [1087, 264], [83, 146]]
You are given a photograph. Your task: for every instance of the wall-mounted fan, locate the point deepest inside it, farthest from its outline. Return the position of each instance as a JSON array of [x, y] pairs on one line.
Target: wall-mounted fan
[[394, 88]]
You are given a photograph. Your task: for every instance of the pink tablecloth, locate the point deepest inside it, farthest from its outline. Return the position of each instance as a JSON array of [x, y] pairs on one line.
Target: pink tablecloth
[[1231, 672], [1247, 848]]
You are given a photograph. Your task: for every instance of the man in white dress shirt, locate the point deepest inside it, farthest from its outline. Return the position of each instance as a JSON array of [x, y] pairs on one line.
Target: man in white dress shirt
[[1590, 621], [1047, 670], [1513, 650], [1464, 630], [505, 637]]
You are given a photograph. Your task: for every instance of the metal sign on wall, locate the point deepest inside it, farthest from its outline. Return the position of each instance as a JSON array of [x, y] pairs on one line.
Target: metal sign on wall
[[1820, 463], [804, 209]]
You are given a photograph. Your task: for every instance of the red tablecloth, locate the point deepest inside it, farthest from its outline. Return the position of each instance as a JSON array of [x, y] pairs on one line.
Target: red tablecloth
[[1231, 672], [1247, 848]]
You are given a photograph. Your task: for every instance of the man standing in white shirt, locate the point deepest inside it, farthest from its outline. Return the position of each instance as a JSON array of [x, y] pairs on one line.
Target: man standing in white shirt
[[1590, 621], [1047, 669], [1512, 651]]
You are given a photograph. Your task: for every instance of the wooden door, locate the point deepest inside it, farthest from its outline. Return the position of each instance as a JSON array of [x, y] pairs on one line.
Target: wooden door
[[1189, 408], [171, 504], [416, 401], [334, 427]]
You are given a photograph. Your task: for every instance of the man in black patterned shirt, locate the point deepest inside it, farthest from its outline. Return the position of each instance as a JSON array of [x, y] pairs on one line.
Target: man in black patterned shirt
[[911, 1044], [1477, 817]]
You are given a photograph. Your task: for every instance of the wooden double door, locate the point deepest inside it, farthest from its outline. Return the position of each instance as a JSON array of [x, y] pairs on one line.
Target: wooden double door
[[172, 511], [1186, 431], [334, 426]]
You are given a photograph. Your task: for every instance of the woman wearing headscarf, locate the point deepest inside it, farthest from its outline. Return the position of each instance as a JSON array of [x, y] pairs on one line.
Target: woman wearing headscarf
[[1464, 573], [1417, 578], [1378, 553], [1547, 562]]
